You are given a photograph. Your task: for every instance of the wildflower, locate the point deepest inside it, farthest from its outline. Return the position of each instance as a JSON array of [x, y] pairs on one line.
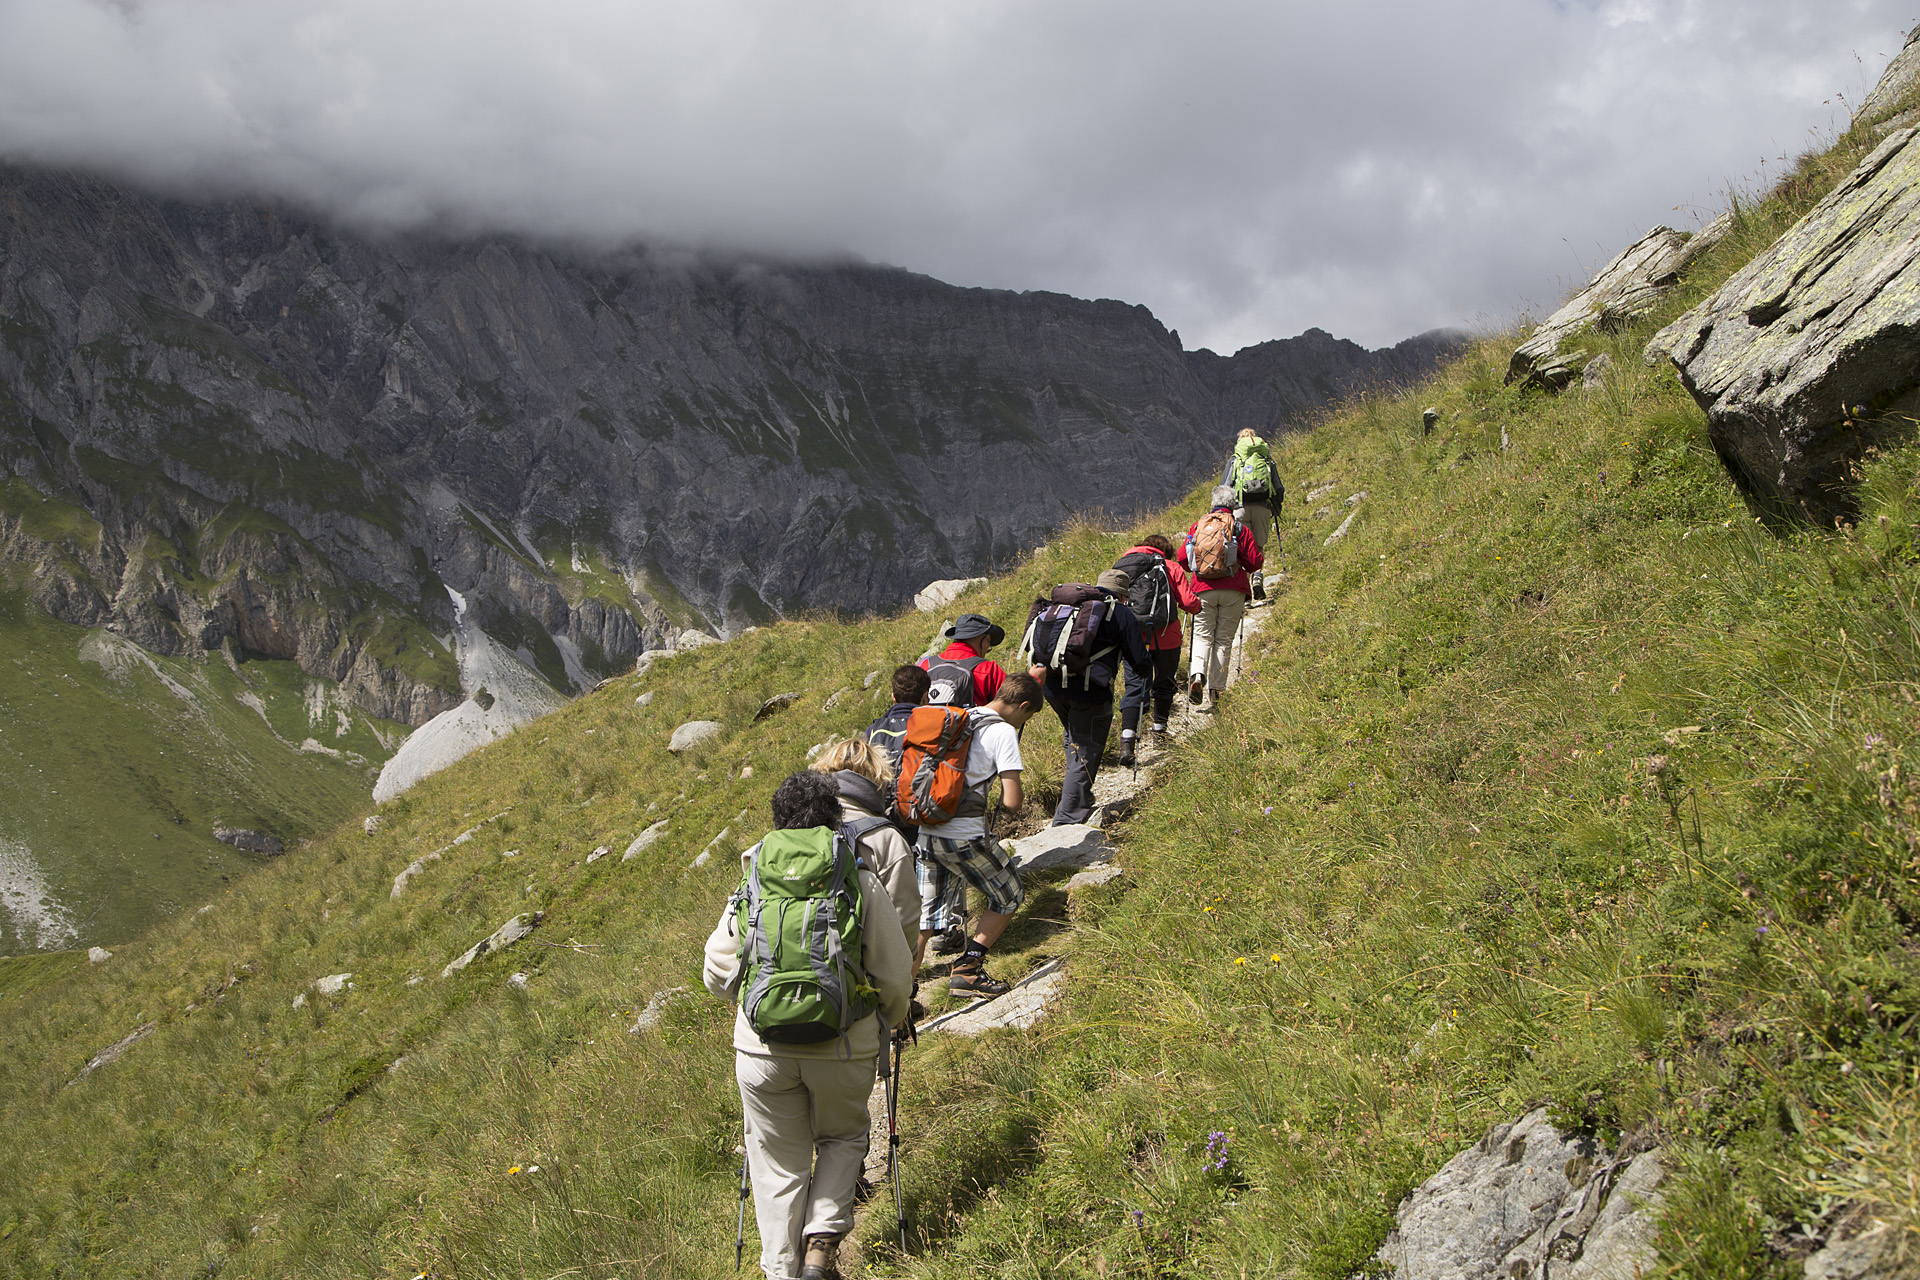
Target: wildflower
[[1239, 959], [1657, 765], [1275, 958], [513, 1171], [1762, 931], [533, 1168], [1267, 810], [1208, 908], [1138, 1217]]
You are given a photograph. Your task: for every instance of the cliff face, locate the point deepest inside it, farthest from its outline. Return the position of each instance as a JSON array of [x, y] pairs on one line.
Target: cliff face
[[230, 423]]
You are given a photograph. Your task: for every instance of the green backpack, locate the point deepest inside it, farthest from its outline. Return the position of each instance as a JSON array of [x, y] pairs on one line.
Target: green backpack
[[1253, 476], [798, 912]]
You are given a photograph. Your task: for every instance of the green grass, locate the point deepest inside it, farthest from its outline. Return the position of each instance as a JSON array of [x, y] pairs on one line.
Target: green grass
[[1567, 776]]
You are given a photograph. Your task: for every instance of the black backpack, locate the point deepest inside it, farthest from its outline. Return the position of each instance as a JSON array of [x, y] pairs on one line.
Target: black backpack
[[952, 683], [1063, 634], [889, 733], [1151, 595]]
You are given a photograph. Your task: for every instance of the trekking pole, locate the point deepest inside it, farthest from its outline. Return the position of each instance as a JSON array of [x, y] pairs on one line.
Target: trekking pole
[[893, 1134], [740, 1230]]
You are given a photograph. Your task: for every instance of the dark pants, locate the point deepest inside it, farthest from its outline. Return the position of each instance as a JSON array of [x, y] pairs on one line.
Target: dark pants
[[1087, 724], [1166, 671]]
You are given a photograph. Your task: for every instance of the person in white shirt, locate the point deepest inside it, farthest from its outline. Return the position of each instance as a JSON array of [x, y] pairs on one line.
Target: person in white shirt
[[959, 852]]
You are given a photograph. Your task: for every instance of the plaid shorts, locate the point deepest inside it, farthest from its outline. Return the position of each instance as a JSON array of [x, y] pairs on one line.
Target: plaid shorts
[[947, 867]]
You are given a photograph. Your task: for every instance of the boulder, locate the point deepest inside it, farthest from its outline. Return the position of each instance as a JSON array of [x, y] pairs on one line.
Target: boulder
[[1074, 844], [1341, 532], [936, 596], [1095, 877], [373, 824], [251, 841], [1626, 288], [1809, 356], [1592, 378], [644, 699], [499, 940], [645, 839], [98, 955], [1025, 1004], [777, 703], [599, 852], [1523, 1196], [1900, 79], [691, 639], [1869, 1251], [333, 984], [693, 733]]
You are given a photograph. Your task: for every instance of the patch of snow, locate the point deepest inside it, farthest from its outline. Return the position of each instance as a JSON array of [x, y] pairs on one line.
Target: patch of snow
[[38, 919], [519, 697]]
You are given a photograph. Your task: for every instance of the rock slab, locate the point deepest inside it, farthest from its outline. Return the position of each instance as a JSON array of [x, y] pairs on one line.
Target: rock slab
[[1529, 1200], [936, 596], [1021, 1007], [1809, 356], [1071, 845], [1625, 289], [645, 839], [499, 940]]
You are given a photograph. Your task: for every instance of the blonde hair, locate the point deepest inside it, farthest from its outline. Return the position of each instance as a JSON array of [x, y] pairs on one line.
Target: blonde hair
[[1248, 433], [857, 755]]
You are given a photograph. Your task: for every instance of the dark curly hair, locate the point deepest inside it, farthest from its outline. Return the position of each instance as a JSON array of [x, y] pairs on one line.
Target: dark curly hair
[[806, 800]]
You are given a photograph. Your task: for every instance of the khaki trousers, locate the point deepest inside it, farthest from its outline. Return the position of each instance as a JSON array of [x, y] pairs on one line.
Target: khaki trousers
[[1258, 517], [1221, 609], [806, 1123]]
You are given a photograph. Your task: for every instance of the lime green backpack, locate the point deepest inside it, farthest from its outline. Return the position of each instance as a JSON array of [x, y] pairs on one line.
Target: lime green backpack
[[798, 916], [1253, 475]]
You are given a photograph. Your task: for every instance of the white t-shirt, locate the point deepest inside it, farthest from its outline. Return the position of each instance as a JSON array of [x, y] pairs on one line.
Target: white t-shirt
[[995, 750]]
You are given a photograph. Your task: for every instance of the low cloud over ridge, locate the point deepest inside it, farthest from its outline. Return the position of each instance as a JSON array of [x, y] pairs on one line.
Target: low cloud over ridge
[[1244, 169]]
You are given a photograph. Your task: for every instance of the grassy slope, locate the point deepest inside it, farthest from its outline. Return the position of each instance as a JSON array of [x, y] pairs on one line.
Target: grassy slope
[[1419, 877], [116, 781]]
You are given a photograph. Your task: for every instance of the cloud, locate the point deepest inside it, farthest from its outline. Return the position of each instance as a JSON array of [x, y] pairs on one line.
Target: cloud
[[1245, 169]]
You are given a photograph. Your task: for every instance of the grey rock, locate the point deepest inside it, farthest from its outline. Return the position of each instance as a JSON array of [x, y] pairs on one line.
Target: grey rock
[[1624, 290], [1022, 1006], [1070, 845], [1094, 877], [599, 852], [1529, 1200], [251, 841], [1869, 1250], [1355, 499], [657, 1006], [868, 683], [1897, 82], [1592, 378], [691, 639], [1805, 359], [411, 870], [645, 699], [746, 771], [518, 981], [1341, 532], [373, 824], [936, 596], [499, 940], [777, 703], [834, 699], [98, 955], [333, 984], [644, 840], [1321, 490], [114, 1052], [693, 733]]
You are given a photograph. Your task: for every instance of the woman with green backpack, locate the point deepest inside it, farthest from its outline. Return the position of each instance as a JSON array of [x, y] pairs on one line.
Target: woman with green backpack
[[815, 1002], [1257, 494]]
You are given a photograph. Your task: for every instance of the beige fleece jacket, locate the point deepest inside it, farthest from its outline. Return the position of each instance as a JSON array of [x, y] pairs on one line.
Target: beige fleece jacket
[[889, 856]]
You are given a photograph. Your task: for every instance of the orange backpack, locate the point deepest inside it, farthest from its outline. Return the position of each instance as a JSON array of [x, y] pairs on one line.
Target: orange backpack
[[931, 787], [1213, 549]]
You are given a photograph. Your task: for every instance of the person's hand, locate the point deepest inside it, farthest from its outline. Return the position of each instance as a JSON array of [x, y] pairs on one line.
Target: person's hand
[[1038, 672]]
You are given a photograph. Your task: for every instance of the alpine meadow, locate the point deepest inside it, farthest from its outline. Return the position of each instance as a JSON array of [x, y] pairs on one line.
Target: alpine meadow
[[1563, 771]]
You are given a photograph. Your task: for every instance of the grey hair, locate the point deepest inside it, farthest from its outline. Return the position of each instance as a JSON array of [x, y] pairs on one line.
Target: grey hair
[[1223, 495]]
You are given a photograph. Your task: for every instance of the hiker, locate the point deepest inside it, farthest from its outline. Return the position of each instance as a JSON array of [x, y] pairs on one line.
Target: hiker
[[805, 1101], [910, 685], [962, 675], [1158, 592], [1257, 494], [863, 776], [959, 852], [1219, 553], [1082, 634]]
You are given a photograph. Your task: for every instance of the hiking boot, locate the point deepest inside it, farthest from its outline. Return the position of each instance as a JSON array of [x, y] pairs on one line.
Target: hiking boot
[[1259, 586], [1126, 753], [820, 1264], [976, 982], [1197, 689], [950, 942]]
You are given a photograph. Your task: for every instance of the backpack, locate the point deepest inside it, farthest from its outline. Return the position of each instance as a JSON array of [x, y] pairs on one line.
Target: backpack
[[1063, 633], [1151, 595], [798, 916], [952, 681], [930, 787], [1213, 548], [889, 734], [1253, 475]]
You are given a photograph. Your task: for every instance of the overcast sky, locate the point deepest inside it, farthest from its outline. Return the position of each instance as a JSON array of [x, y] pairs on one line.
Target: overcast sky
[[1247, 170]]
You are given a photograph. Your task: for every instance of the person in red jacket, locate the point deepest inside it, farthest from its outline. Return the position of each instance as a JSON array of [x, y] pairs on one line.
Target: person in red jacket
[[1154, 556], [1223, 602], [963, 676]]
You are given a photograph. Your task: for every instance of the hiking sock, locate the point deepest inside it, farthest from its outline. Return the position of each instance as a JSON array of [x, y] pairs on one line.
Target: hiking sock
[[974, 957]]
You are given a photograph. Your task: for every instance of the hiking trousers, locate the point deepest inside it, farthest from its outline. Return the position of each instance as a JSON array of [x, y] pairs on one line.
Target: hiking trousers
[[1214, 628], [806, 1138], [1086, 724], [1258, 517], [1166, 671]]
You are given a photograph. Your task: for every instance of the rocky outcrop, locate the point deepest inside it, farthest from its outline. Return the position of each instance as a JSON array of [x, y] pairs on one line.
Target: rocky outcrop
[[936, 596], [1624, 290], [499, 940], [1810, 355], [694, 733], [250, 841], [1897, 83], [1530, 1201], [232, 424]]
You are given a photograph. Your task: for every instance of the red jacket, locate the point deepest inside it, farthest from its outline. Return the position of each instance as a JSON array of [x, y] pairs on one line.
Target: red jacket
[[1168, 637], [1250, 559], [987, 677]]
